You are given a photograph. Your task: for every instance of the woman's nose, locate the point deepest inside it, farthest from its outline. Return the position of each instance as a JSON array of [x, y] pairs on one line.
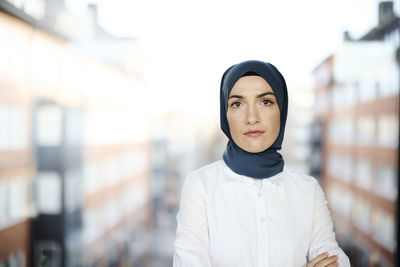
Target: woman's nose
[[252, 115]]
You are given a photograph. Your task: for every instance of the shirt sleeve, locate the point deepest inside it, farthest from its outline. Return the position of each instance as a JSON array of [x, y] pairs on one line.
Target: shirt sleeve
[[322, 235], [192, 242]]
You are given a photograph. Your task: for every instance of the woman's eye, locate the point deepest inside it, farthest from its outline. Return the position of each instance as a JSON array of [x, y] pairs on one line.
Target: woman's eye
[[267, 102], [235, 104]]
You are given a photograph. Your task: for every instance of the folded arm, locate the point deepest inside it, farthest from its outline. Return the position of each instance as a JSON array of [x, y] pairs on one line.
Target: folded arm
[[322, 236]]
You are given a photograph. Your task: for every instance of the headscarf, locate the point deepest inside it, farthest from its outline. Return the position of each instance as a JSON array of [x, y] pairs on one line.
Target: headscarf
[[268, 162]]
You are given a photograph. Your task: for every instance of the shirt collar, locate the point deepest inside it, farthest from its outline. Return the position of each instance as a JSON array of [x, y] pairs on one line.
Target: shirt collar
[[277, 179]]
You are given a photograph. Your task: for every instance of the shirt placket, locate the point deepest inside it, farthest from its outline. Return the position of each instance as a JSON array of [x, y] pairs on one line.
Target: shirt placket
[[262, 224]]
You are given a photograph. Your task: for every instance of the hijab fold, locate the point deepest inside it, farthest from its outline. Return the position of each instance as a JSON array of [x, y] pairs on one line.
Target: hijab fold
[[269, 162]]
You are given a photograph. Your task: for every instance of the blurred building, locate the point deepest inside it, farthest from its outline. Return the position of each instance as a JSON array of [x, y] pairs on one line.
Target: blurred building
[[357, 121], [17, 166], [176, 152], [296, 148], [74, 151]]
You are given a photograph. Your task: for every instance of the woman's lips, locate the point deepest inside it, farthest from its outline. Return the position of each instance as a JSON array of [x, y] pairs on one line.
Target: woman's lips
[[254, 133]]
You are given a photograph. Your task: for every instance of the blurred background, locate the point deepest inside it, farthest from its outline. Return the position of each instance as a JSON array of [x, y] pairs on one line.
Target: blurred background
[[105, 106]]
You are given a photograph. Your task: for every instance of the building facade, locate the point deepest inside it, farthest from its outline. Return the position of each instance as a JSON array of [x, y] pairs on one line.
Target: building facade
[[357, 121], [74, 169]]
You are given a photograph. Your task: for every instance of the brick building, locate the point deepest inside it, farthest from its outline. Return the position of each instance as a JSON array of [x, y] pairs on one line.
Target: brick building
[[74, 169], [356, 130]]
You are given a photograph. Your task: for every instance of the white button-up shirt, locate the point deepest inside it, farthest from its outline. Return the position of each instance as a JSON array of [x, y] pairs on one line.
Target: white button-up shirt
[[230, 220]]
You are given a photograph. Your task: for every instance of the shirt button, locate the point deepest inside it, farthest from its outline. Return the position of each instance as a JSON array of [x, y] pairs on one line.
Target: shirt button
[[262, 219]]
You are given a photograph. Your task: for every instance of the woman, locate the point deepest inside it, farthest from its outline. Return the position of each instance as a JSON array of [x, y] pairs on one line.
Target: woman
[[250, 209]]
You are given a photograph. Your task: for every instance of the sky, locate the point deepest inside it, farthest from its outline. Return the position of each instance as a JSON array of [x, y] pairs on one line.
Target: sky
[[191, 43]]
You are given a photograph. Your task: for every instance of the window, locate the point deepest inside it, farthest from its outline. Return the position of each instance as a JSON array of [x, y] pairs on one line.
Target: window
[[386, 182], [362, 212], [340, 200], [333, 164], [13, 128], [90, 178], [341, 166], [342, 130], [350, 93], [388, 130], [383, 229], [49, 126], [337, 97], [364, 174], [366, 130], [321, 103], [344, 95], [367, 91], [17, 198], [347, 168], [13, 199], [48, 193], [389, 88]]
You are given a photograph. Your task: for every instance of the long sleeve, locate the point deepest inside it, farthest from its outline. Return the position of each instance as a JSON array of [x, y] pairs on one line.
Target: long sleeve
[[192, 242], [322, 236]]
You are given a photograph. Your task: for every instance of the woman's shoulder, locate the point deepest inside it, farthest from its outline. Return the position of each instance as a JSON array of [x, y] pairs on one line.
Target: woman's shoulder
[[202, 178], [301, 185], [299, 178], [207, 170]]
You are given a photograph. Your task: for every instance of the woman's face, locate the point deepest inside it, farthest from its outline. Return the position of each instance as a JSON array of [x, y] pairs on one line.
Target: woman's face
[[253, 114]]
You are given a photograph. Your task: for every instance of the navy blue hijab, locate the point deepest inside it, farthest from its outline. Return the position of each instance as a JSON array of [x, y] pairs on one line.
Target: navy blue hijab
[[268, 162]]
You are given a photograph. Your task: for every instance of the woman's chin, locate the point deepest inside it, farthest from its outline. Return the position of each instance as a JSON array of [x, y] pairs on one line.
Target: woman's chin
[[254, 149]]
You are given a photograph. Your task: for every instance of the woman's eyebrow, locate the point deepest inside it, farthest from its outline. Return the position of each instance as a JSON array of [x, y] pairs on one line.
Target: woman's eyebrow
[[264, 94], [236, 96], [258, 96]]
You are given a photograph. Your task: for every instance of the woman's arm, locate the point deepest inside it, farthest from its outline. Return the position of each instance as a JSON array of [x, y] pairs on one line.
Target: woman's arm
[[192, 243], [322, 235]]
